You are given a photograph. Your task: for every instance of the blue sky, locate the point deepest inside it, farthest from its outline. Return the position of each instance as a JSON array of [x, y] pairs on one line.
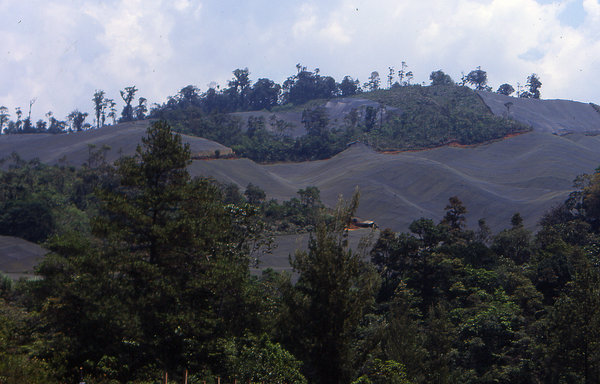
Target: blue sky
[[59, 52]]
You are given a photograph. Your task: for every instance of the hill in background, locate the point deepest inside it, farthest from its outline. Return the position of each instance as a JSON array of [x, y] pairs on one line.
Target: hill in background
[[75, 148], [528, 173]]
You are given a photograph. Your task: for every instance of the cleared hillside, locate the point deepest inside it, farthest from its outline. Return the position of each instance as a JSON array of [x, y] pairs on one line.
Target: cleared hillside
[[551, 116], [528, 174], [74, 148], [18, 256]]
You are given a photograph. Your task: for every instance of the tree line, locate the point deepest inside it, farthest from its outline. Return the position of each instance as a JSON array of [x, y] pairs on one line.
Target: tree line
[[161, 283], [402, 118], [241, 95]]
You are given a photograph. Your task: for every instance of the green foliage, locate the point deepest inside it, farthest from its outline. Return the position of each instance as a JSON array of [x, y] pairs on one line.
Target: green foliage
[[433, 116], [440, 78], [574, 331], [17, 365], [384, 372], [259, 360], [427, 117], [164, 278], [38, 200], [478, 78], [162, 284], [335, 288]]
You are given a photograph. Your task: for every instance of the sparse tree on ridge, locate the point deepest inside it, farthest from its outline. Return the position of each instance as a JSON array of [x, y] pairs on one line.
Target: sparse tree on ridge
[[478, 78], [77, 120], [373, 82], [404, 76], [390, 77], [99, 107], [534, 84], [55, 126], [141, 109], [440, 78], [19, 122], [112, 110], [128, 95], [31, 102], [3, 118], [505, 89], [348, 86]]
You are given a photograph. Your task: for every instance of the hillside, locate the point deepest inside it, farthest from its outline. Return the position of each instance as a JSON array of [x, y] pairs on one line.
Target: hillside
[[18, 256], [528, 173], [550, 116], [401, 118], [74, 148]]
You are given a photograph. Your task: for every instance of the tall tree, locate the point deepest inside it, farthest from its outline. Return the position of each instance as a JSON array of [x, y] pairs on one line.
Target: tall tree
[[440, 78], [128, 94], [390, 77], [455, 214], [404, 75], [4, 115], [141, 109], [112, 110], [264, 94], [168, 257], [334, 290], [77, 120], [348, 86], [188, 95], [534, 84], [478, 78], [19, 121], [505, 89], [374, 81], [99, 107]]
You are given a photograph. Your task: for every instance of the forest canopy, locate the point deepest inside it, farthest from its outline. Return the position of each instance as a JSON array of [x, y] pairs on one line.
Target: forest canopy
[[159, 282]]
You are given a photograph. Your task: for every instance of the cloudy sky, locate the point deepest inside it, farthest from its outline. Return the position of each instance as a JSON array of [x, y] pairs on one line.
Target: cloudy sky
[[59, 52]]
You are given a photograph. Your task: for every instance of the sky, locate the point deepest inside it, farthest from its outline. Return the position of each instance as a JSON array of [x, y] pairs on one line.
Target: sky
[[57, 53]]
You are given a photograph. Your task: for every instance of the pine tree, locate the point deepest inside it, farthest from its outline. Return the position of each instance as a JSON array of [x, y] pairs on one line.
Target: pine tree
[[333, 292], [168, 257]]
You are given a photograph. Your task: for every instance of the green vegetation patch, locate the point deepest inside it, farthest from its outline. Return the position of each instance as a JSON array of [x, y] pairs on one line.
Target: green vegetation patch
[[436, 115], [408, 118]]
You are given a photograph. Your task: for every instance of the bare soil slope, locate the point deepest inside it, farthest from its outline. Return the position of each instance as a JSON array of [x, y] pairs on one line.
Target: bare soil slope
[[551, 116], [18, 256], [528, 174], [337, 109], [74, 148]]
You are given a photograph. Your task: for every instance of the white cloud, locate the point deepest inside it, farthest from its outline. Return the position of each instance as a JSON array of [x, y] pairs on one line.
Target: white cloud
[[592, 8], [60, 54]]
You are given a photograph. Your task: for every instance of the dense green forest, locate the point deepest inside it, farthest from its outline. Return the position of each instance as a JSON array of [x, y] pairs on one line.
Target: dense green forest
[[149, 273]]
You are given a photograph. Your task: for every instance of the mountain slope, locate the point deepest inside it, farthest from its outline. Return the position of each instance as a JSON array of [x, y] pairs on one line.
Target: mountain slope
[[551, 116], [74, 148], [528, 174]]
